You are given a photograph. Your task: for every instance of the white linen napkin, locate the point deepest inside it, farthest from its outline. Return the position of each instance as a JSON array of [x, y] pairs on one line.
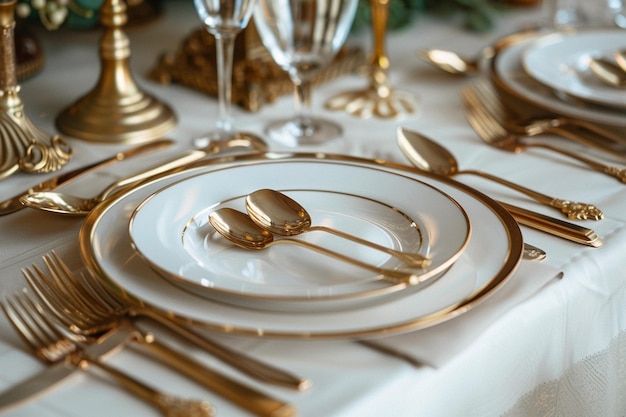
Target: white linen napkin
[[436, 345]]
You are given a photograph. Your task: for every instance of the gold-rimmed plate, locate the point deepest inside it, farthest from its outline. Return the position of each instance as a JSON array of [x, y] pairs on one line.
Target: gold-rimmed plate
[[170, 229], [562, 61], [489, 259], [509, 75]]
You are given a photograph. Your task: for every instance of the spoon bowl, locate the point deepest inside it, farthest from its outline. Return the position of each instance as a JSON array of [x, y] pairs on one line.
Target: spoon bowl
[[281, 215], [238, 228], [452, 62], [457, 64]]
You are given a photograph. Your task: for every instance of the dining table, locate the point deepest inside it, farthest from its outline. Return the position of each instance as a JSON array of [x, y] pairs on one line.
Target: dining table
[[549, 341]]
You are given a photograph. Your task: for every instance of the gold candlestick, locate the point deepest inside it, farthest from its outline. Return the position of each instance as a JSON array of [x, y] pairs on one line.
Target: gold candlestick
[[379, 99], [23, 146], [116, 110]]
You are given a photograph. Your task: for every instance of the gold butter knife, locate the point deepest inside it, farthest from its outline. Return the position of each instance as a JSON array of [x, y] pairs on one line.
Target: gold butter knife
[[13, 204], [556, 227]]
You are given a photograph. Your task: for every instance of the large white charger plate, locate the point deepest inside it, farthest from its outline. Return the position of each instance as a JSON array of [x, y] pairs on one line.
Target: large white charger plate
[[170, 229], [490, 258], [561, 61], [508, 73]]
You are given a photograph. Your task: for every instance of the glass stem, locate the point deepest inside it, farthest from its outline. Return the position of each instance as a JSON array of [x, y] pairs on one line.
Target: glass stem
[[303, 104], [225, 45]]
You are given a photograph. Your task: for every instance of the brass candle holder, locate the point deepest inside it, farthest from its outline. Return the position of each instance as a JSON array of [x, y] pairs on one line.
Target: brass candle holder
[[116, 110], [24, 147], [379, 98]]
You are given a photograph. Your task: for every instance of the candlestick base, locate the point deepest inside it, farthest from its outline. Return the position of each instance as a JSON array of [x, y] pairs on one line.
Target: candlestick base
[[116, 110]]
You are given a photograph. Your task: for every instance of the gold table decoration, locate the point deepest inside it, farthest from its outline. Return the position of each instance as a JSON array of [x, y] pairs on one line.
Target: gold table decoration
[[379, 98], [257, 80], [116, 110], [24, 147]]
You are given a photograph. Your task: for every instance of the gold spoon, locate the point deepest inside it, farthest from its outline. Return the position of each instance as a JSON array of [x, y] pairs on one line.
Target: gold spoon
[[239, 229], [66, 204], [281, 215], [428, 155], [608, 72], [454, 63]]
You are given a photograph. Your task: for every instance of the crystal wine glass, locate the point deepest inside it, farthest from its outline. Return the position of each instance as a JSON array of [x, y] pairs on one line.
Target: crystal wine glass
[[224, 19], [303, 36]]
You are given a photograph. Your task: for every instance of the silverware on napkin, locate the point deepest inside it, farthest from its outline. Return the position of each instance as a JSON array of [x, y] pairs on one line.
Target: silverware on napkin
[[14, 204]]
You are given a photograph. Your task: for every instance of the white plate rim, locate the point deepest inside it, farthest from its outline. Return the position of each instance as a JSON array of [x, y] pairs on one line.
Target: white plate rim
[[577, 44], [167, 267], [541, 96]]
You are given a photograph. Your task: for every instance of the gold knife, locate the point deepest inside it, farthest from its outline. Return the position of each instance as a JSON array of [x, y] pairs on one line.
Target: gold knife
[[13, 204], [556, 227]]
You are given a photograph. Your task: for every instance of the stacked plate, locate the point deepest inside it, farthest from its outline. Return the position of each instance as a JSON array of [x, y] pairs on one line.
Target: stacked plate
[[154, 245], [551, 72]]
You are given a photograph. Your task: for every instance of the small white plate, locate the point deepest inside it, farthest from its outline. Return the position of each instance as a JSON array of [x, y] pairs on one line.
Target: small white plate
[[561, 61], [490, 258], [508, 74], [171, 231]]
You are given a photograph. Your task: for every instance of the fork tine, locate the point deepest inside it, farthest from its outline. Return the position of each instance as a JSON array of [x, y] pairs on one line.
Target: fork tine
[[19, 323], [39, 333], [484, 122], [98, 293], [55, 302], [84, 301]]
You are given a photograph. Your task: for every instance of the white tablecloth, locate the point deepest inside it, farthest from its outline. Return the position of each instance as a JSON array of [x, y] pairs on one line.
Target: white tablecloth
[[551, 342]]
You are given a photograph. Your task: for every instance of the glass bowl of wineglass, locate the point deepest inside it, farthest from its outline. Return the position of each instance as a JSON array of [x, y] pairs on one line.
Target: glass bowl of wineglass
[[303, 36]]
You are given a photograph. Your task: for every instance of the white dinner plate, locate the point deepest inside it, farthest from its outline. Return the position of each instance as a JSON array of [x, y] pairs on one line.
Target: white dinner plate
[[562, 61], [170, 229], [489, 259], [508, 74]]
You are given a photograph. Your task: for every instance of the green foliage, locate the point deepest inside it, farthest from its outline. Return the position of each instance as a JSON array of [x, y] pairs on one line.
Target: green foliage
[[475, 15]]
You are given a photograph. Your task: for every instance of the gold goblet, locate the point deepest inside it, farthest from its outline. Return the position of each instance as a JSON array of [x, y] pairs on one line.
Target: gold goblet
[[24, 147], [379, 98]]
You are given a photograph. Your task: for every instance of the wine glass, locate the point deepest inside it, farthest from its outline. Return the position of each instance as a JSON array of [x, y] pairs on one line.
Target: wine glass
[[224, 19], [303, 36]]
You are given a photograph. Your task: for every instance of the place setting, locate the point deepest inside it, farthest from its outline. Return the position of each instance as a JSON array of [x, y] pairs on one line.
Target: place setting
[[263, 271]]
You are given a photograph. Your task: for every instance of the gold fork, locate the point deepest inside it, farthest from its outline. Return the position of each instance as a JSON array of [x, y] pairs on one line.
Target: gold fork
[[50, 345], [492, 130], [75, 305], [105, 309], [596, 137]]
